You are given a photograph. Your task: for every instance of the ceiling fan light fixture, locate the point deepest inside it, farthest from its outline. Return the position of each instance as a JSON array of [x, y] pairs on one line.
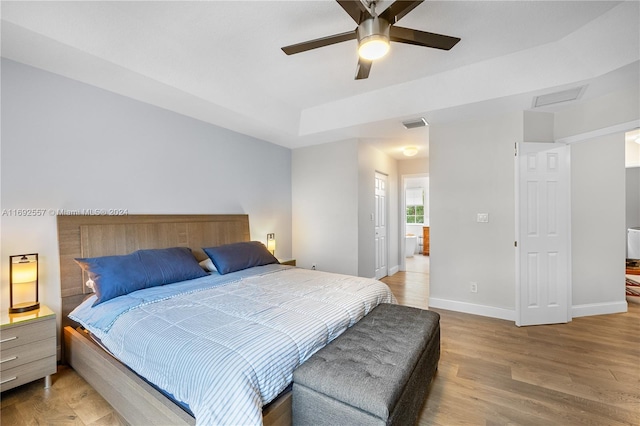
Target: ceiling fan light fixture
[[373, 47], [410, 151], [373, 38]]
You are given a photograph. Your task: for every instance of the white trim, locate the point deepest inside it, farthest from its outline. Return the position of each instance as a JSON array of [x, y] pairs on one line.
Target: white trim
[[617, 128], [599, 309], [394, 270], [471, 308]]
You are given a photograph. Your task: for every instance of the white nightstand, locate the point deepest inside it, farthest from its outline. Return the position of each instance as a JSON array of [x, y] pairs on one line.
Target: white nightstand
[[27, 347]]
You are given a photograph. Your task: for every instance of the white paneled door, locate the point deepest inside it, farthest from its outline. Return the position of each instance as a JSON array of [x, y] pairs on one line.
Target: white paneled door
[[380, 220], [543, 261]]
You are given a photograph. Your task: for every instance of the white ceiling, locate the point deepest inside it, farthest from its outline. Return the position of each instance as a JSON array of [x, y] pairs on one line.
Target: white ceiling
[[220, 61]]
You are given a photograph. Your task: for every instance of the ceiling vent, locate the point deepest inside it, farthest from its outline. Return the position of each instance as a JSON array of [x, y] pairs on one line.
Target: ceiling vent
[[416, 122], [558, 97]]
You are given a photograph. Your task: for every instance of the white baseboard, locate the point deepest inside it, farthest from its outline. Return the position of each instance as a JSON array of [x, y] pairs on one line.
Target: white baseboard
[[394, 270], [590, 309], [510, 315], [471, 308]]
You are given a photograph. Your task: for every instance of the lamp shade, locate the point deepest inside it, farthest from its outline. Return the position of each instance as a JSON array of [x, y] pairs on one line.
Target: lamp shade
[[271, 243], [23, 278]]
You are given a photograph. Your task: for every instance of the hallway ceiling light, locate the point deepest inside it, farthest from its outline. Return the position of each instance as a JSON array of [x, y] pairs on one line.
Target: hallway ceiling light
[[410, 151]]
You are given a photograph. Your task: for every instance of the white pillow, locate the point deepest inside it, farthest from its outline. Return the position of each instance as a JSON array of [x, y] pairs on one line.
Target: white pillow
[[208, 265]]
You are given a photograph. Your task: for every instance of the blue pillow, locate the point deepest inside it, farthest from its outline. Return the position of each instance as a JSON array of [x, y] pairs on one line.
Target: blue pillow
[[238, 256], [115, 276]]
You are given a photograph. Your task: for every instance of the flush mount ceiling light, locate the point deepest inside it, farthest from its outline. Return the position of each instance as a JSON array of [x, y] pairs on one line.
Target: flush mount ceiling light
[[410, 151]]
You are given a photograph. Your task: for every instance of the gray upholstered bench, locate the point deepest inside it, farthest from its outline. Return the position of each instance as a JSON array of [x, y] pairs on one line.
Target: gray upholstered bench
[[375, 373]]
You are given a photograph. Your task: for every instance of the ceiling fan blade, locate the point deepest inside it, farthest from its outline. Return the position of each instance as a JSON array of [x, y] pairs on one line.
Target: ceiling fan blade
[[422, 38], [363, 68], [355, 9], [319, 42], [399, 10]]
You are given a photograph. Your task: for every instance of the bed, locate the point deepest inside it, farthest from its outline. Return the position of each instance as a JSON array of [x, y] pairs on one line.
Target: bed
[[279, 293]]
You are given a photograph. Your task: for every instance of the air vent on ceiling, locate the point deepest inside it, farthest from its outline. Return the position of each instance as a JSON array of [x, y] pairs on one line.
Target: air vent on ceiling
[[415, 122], [558, 97]]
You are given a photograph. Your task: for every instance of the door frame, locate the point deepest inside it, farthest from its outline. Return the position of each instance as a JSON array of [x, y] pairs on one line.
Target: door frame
[[403, 216], [386, 214]]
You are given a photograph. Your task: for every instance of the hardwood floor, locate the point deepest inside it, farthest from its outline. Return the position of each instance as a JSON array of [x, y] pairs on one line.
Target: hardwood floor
[[69, 401], [491, 372]]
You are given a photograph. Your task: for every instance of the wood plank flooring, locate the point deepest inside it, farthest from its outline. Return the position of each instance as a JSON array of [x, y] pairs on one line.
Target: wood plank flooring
[[491, 372]]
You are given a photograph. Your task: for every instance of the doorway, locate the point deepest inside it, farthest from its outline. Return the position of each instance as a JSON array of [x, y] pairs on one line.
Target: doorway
[[415, 223]]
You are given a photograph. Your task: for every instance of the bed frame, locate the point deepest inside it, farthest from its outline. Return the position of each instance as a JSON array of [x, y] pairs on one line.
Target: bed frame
[[135, 400]]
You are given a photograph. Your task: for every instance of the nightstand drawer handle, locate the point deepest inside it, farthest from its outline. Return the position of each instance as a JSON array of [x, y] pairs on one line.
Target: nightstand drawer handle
[[8, 380], [8, 359], [9, 339]]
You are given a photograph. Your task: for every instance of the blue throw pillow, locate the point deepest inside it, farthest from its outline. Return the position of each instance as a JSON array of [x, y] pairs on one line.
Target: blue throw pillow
[[238, 256], [115, 276]]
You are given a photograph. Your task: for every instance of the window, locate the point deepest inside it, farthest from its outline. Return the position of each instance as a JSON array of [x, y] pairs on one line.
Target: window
[[415, 205]]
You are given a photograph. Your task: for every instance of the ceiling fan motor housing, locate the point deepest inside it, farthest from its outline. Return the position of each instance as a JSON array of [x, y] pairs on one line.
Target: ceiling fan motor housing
[[374, 27]]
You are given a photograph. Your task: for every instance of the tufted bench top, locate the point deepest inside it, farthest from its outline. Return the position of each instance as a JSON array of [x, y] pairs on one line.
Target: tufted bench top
[[369, 366]]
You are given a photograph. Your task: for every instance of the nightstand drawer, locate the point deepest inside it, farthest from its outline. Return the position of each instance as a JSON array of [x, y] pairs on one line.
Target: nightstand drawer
[[28, 333], [27, 373], [23, 354]]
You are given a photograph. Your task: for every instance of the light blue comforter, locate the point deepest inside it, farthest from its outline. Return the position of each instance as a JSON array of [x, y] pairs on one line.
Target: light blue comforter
[[227, 345]]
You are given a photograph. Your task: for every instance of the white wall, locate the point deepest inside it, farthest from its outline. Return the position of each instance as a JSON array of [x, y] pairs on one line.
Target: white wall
[[598, 199], [598, 113], [472, 171], [632, 198], [632, 153], [333, 198], [370, 161], [415, 166], [597, 223], [325, 206], [68, 145]]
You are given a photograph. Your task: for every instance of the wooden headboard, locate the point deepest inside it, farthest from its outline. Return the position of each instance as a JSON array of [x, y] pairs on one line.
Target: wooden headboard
[[93, 236]]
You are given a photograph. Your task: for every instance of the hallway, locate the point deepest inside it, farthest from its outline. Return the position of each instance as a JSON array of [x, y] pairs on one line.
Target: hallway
[[411, 288]]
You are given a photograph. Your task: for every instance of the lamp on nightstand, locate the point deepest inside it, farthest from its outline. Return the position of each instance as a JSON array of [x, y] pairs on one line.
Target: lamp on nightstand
[[271, 243], [23, 279]]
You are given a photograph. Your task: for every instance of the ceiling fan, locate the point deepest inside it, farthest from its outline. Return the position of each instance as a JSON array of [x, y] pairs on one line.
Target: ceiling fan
[[374, 32]]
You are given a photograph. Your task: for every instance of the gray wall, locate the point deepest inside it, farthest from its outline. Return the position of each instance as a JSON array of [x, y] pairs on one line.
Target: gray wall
[[597, 222], [370, 161], [472, 171], [333, 198], [469, 175], [325, 206], [68, 145]]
